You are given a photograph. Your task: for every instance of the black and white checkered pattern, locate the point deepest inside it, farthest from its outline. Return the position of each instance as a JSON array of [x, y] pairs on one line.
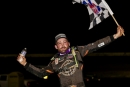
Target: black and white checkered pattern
[[95, 18]]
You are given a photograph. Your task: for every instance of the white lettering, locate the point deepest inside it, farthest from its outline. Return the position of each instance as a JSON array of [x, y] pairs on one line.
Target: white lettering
[[101, 44]]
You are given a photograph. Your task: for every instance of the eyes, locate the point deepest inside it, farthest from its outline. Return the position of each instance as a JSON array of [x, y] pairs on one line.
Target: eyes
[[62, 42]]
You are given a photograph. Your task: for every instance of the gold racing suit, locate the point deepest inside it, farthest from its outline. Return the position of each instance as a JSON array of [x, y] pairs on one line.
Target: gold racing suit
[[65, 66]]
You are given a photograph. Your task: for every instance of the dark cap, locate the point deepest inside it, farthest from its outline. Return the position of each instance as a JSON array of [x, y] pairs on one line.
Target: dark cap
[[61, 35]]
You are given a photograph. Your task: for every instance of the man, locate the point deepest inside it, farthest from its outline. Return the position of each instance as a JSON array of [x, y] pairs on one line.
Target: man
[[67, 63]]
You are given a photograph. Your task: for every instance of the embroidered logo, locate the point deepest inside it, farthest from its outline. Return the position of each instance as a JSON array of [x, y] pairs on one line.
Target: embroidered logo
[[68, 71]]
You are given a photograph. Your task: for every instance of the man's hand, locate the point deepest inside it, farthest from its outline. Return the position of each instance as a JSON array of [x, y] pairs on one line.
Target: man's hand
[[120, 32], [21, 59]]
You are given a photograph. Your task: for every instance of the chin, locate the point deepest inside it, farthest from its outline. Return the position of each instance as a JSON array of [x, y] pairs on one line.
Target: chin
[[63, 51]]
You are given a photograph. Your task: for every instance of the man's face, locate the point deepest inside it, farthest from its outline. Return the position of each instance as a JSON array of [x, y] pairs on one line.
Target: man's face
[[62, 45]]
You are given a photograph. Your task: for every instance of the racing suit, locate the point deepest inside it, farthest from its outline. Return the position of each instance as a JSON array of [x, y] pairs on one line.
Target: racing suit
[[65, 66]]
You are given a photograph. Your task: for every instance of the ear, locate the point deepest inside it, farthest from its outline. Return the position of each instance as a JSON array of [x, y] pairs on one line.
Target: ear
[[55, 47]]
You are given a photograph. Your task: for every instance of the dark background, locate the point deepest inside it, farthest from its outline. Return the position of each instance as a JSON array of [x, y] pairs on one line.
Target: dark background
[[34, 24]]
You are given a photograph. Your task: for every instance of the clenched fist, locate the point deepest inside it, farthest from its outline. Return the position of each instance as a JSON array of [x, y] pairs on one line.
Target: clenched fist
[[120, 32]]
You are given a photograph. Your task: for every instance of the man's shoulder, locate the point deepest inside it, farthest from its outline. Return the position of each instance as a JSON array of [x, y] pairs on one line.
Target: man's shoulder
[[54, 56]]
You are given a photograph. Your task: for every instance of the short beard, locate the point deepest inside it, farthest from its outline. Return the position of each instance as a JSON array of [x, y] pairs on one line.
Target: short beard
[[64, 50]]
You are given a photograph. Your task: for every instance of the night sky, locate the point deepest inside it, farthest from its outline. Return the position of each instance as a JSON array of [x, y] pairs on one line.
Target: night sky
[[34, 24]]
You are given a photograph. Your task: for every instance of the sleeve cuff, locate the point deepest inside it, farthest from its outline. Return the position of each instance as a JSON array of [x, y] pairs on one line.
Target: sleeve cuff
[[26, 66], [112, 38]]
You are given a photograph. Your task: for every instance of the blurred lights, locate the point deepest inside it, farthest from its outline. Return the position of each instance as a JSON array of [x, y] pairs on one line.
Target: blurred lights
[[28, 84], [99, 79], [45, 77], [87, 79], [92, 79]]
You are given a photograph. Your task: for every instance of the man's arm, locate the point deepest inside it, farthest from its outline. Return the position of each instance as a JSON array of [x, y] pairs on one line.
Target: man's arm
[[34, 70], [84, 50], [37, 71]]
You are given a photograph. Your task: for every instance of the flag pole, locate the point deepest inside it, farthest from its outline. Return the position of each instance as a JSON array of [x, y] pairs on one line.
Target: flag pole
[[116, 22], [110, 11]]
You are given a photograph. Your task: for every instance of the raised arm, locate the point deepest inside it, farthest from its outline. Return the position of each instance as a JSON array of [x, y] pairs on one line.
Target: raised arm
[[84, 50]]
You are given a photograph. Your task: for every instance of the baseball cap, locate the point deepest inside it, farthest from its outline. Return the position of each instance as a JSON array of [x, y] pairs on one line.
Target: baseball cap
[[61, 35]]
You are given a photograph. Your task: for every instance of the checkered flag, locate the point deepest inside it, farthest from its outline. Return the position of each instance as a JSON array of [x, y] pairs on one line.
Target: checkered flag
[[97, 11]]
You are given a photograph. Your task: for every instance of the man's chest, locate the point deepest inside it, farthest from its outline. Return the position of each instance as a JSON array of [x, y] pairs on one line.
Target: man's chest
[[63, 60], [65, 64]]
